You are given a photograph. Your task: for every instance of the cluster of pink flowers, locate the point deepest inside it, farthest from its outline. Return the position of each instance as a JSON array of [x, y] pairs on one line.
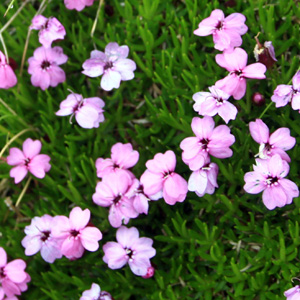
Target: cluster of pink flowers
[[272, 166], [125, 195], [13, 278], [59, 235]]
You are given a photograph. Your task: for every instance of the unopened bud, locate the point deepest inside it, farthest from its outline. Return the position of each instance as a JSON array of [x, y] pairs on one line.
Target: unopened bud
[[258, 99], [150, 272]]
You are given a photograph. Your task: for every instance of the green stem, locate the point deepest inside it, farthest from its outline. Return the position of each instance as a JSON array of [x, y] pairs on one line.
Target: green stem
[[96, 18], [4, 47], [23, 191], [266, 109]]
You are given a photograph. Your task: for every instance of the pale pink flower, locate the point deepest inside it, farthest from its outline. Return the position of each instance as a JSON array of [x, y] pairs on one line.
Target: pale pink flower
[[226, 31], [76, 234], [208, 141], [39, 238], [204, 180], [13, 278], [112, 192], [268, 176], [131, 249], [160, 180], [28, 160], [49, 29], [293, 293], [78, 4], [113, 64], [285, 94], [88, 111], [95, 293], [122, 158], [236, 63], [276, 143], [44, 67], [215, 102], [8, 78]]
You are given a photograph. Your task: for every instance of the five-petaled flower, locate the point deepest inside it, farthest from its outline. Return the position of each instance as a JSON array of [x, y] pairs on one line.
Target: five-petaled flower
[[113, 65], [28, 160]]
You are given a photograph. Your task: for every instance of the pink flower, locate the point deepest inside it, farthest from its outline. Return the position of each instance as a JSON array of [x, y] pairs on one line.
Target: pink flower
[[8, 78], [204, 180], [215, 102], [78, 4], [122, 158], [131, 249], [88, 111], [268, 176], [160, 180], [49, 29], [44, 67], [28, 160], [13, 278], [76, 234], [293, 293], [113, 64], [285, 94], [112, 192], [94, 293], [236, 63], [276, 143], [226, 31], [208, 141], [39, 238]]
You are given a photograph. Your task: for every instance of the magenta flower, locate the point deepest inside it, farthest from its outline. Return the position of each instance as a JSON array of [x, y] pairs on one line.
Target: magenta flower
[[236, 63], [122, 158], [8, 78], [49, 29], [113, 64], [160, 180], [88, 111], [215, 102], [112, 192], [13, 278], [276, 143], [204, 180], [208, 141], [226, 31], [44, 67], [39, 238], [78, 4], [94, 293], [28, 160], [131, 249], [293, 293], [268, 176], [76, 234], [285, 94]]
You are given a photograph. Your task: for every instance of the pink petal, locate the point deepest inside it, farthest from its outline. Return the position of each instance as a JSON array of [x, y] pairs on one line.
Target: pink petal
[[152, 182], [110, 80], [281, 138], [39, 165], [18, 173], [290, 189], [221, 40], [198, 182], [139, 266], [175, 189], [14, 270], [259, 131], [125, 67], [254, 183], [115, 255], [93, 67], [3, 257], [86, 116], [162, 163], [72, 248], [31, 148], [16, 157], [79, 218], [227, 111], [124, 155], [115, 216], [127, 236], [236, 22], [240, 90], [90, 237], [256, 70], [274, 197], [296, 81], [32, 244], [229, 84], [203, 127]]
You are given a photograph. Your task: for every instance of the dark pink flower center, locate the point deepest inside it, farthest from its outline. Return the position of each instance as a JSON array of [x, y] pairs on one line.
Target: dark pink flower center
[[45, 64], [27, 161], [272, 180], [219, 26], [45, 235], [2, 273], [108, 65], [117, 199], [130, 253], [238, 73], [74, 233], [204, 144]]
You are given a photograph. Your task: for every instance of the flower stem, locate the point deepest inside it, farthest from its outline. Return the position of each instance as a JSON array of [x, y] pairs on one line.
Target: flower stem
[[266, 109], [14, 138], [4, 47], [23, 191], [96, 18]]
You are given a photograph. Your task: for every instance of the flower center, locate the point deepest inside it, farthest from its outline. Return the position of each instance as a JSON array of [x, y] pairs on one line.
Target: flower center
[[45, 64], [45, 235], [74, 233], [271, 181], [108, 65], [27, 161], [204, 144], [2, 274], [219, 26], [129, 253], [117, 199], [238, 72]]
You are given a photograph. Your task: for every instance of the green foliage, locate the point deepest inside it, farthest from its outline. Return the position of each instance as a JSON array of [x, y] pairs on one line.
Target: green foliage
[[221, 246]]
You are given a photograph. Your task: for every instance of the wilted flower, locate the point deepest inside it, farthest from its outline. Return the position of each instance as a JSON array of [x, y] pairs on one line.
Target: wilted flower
[[276, 143], [226, 31], [49, 29], [236, 63], [28, 160], [265, 54], [88, 111], [95, 293], [78, 4], [160, 180], [113, 64], [44, 67], [8, 78], [131, 249], [268, 176]]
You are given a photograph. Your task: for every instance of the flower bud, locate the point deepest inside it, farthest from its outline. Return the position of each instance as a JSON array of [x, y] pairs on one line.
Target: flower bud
[[150, 273], [264, 54], [258, 99]]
